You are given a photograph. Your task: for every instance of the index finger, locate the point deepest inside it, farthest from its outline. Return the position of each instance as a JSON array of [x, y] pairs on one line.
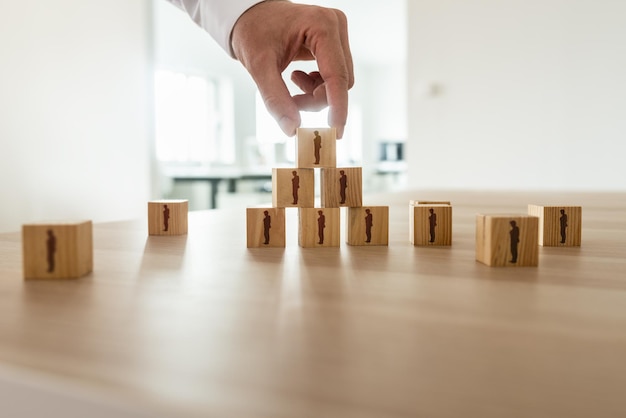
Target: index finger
[[335, 65]]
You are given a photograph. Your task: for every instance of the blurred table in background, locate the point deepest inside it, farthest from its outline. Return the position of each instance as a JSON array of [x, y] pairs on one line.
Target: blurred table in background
[[213, 177]]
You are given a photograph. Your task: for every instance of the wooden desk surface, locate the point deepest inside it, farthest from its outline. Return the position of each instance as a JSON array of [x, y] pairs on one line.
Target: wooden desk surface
[[202, 326]]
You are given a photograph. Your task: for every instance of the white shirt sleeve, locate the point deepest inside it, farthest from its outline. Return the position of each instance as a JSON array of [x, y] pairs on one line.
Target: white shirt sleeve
[[217, 17]]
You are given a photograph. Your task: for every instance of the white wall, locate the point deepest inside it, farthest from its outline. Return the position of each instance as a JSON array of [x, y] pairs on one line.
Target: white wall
[[380, 91], [517, 94], [180, 45], [74, 110]]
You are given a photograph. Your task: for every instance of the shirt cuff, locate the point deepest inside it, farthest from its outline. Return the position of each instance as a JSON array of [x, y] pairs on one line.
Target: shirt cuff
[[217, 17]]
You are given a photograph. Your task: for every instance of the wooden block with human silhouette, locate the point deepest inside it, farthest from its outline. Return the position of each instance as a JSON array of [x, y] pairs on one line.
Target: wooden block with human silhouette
[[316, 147], [504, 240], [559, 226], [430, 223], [341, 187], [318, 227], [293, 187], [265, 227], [167, 217], [367, 225], [58, 250]]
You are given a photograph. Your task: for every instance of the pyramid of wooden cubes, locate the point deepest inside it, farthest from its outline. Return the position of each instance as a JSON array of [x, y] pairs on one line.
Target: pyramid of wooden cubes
[[318, 225]]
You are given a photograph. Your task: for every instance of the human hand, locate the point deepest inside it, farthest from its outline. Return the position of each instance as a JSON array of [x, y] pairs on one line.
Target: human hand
[[272, 34]]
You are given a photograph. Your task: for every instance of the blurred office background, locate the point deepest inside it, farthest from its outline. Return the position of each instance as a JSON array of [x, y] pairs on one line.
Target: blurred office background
[[211, 123], [103, 104]]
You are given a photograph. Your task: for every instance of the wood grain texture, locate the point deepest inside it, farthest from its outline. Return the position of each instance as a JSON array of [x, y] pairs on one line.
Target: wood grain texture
[[507, 240], [316, 150], [167, 217], [430, 223], [429, 202], [319, 227], [58, 250], [265, 227], [367, 226], [293, 187], [341, 187], [202, 326], [559, 226]]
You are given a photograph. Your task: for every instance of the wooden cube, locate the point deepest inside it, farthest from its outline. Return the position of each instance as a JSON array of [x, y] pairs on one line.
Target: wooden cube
[[507, 240], [167, 217], [318, 227], [430, 223], [559, 226], [316, 147], [341, 187], [429, 202], [265, 227], [368, 225], [293, 187], [57, 250]]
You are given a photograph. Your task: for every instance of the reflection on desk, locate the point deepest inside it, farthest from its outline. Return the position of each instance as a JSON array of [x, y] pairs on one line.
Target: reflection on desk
[[201, 326]]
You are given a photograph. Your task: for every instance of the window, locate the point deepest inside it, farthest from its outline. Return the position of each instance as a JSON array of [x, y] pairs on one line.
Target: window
[[193, 119]]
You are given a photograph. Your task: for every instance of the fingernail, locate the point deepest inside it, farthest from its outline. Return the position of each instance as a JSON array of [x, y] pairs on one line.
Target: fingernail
[[288, 125], [340, 132]]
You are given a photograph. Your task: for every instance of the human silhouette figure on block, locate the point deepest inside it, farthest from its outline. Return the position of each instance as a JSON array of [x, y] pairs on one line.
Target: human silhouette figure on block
[[432, 223], [369, 222], [166, 218], [51, 249], [514, 241], [321, 224], [343, 185], [295, 185], [563, 220], [267, 224], [317, 146]]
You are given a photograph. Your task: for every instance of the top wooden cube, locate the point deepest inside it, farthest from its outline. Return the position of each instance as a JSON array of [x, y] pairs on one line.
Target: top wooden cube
[[316, 148]]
